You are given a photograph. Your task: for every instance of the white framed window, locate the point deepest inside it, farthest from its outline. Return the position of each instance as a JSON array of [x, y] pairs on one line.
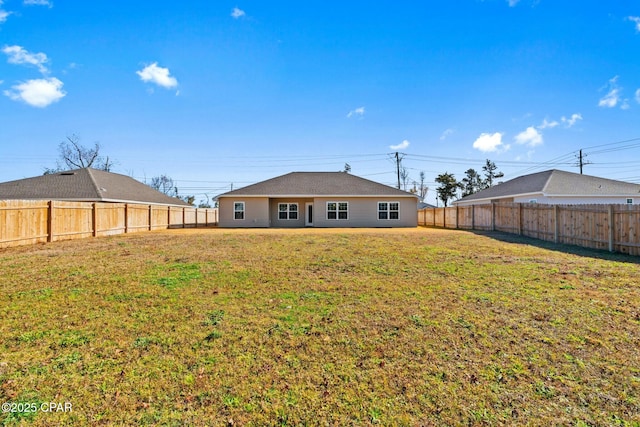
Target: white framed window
[[337, 210], [629, 201], [388, 210], [287, 211], [238, 210]]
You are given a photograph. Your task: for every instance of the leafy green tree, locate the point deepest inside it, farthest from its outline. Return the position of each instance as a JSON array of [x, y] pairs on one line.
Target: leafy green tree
[[490, 173], [448, 188], [471, 183]]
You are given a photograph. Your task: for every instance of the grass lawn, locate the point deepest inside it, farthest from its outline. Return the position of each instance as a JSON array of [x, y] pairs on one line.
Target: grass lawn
[[319, 327]]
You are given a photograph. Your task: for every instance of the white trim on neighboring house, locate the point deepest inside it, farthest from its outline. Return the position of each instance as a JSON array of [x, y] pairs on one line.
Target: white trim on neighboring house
[[491, 199]]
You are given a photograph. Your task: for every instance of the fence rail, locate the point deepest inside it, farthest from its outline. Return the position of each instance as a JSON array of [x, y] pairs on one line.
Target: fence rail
[[611, 227], [24, 222]]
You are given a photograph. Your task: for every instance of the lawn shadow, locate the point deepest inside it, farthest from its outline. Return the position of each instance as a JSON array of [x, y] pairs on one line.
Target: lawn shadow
[[559, 247]]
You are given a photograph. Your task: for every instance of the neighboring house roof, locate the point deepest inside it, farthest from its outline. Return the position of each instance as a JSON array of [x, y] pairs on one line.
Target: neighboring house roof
[[556, 183], [317, 184], [85, 185], [423, 205]]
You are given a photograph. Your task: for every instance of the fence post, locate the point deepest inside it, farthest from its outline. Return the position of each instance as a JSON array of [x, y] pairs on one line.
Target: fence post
[[556, 225], [94, 219], [50, 221], [520, 219], [126, 218], [493, 216], [457, 219], [473, 217], [611, 228], [184, 217]]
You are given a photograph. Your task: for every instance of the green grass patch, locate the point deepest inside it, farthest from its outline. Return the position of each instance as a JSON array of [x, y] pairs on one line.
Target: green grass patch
[[300, 327]]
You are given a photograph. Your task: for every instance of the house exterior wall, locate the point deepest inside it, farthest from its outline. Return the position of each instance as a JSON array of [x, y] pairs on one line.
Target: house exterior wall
[[256, 212], [568, 200], [556, 200], [274, 210], [363, 212]]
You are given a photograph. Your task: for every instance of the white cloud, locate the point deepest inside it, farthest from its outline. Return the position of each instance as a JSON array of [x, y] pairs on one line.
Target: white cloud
[[38, 3], [359, 112], [571, 120], [638, 96], [512, 3], [546, 124], [18, 55], [529, 137], [490, 142], [158, 75], [237, 13], [3, 14], [38, 92], [635, 19], [402, 146], [612, 98], [446, 133]]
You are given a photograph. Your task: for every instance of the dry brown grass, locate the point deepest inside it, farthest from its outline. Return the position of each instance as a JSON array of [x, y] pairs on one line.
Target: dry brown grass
[[307, 327]]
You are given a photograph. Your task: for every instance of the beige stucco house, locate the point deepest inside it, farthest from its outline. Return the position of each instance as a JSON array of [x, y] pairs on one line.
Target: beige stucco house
[[318, 199], [559, 188]]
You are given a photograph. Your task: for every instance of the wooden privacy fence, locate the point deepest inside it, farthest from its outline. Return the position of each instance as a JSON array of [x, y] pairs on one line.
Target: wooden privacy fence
[[612, 227], [25, 222]]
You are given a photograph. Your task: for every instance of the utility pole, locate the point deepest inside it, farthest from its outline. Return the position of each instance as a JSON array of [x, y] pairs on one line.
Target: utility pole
[[399, 158], [398, 168], [581, 161]]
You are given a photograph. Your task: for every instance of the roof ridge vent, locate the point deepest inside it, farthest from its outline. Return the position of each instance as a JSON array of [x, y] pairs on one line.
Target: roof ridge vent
[[67, 173]]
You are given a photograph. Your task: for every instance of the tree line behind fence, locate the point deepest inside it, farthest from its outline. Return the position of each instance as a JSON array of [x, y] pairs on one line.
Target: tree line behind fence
[[610, 227], [33, 221]]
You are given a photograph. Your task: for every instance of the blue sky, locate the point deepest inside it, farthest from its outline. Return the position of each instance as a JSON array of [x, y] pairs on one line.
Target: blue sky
[[215, 93]]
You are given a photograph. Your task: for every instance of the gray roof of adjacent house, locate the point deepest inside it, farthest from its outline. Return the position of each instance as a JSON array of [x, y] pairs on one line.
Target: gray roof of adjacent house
[[86, 184], [557, 183], [317, 184]]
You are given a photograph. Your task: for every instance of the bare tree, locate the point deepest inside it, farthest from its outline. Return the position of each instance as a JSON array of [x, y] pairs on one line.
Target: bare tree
[[422, 188], [73, 155], [164, 184], [404, 177]]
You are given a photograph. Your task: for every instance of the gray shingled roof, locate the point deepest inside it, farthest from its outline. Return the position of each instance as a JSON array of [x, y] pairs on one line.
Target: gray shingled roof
[[85, 185], [557, 183], [310, 184]]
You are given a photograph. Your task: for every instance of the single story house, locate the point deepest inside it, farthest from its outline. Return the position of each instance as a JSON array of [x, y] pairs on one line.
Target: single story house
[[559, 188], [318, 199], [85, 185]]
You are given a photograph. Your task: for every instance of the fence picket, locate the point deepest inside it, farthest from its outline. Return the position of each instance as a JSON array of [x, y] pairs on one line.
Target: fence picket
[[25, 222], [598, 226]]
